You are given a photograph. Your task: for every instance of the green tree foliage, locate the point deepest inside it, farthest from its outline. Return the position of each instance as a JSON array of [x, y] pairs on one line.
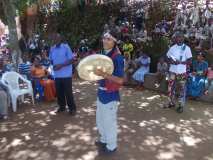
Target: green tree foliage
[[76, 23]]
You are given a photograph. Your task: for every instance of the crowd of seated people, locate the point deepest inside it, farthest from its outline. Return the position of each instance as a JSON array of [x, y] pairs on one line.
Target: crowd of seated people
[[36, 68]]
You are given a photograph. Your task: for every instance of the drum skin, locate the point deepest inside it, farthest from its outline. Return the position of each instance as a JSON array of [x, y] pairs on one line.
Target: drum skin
[[89, 64]]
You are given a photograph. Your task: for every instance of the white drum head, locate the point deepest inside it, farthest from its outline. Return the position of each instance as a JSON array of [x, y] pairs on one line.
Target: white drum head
[[88, 65]]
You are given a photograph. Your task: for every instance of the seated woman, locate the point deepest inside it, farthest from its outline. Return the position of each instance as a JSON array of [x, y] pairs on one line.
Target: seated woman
[[40, 74], [209, 84], [144, 62], [196, 80]]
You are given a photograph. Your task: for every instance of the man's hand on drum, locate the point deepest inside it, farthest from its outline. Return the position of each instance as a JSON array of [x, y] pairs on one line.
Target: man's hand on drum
[[100, 72]]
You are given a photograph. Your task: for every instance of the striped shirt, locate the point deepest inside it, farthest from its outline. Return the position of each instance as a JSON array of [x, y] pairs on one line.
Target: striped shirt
[[24, 68]]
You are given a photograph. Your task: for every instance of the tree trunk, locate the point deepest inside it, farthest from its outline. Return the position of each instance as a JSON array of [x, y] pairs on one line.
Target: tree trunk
[[10, 14]]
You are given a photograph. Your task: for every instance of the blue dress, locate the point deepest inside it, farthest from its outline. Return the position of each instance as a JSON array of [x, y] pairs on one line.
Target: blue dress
[[196, 84]]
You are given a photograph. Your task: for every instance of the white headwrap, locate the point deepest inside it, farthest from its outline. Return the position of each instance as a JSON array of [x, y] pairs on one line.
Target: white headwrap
[[108, 35]]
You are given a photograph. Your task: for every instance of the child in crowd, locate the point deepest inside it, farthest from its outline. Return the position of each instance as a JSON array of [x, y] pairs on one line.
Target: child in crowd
[[127, 47], [162, 71], [129, 68], [209, 85]]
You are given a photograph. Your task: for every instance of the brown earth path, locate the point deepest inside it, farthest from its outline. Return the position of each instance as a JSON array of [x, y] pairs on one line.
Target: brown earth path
[[146, 130]]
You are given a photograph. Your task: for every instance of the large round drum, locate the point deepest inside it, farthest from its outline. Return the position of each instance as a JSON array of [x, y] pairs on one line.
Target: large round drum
[[89, 64]]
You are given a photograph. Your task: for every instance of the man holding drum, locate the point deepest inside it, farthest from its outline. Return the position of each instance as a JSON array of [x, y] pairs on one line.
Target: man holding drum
[[108, 95]]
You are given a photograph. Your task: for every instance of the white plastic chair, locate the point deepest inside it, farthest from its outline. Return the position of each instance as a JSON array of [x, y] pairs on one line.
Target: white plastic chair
[[11, 81]]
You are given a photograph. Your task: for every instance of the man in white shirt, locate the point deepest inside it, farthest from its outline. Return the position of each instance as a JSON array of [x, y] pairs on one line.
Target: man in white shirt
[[179, 57]]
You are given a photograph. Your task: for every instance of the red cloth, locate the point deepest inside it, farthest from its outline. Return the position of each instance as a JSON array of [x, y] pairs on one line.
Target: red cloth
[[110, 85]]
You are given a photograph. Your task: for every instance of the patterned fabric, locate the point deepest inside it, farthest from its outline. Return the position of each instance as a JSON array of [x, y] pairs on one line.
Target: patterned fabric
[[24, 69], [177, 82]]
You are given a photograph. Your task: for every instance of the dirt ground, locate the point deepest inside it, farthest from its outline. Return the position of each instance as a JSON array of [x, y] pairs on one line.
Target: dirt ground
[[146, 130]]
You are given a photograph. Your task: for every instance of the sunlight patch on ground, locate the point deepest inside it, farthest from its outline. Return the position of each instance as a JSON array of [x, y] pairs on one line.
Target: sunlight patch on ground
[[89, 110], [85, 137], [170, 152], [148, 123], [30, 154], [60, 142], [16, 142], [41, 123], [89, 156], [26, 136], [207, 113], [191, 141], [85, 83], [210, 157], [144, 104], [153, 141], [211, 121], [170, 126], [153, 97]]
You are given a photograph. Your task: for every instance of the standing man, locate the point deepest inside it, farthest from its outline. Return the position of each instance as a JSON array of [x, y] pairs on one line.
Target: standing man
[[108, 96], [61, 57], [179, 57]]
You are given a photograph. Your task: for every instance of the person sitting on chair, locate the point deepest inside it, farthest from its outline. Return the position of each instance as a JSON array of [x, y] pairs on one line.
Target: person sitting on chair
[[144, 62], [39, 75], [196, 80]]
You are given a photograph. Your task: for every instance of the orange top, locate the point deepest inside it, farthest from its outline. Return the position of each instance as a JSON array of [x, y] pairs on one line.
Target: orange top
[[38, 72]]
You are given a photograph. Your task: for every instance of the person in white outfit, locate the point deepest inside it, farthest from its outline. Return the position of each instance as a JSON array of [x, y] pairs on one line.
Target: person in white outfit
[[179, 58]]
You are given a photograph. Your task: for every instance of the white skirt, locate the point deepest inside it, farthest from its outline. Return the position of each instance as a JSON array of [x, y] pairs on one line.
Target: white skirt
[[140, 73]]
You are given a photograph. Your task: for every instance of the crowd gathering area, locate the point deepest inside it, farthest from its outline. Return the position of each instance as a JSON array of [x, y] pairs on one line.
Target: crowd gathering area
[[34, 77]]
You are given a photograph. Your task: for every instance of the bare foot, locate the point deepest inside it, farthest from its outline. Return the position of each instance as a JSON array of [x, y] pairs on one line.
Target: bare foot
[[206, 92]]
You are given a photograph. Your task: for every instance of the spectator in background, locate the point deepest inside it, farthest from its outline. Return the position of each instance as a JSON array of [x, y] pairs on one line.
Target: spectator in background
[[162, 71], [196, 80], [209, 85], [83, 49], [61, 57], [40, 75], [128, 47], [45, 61], [144, 67], [1, 63], [129, 68], [24, 67]]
